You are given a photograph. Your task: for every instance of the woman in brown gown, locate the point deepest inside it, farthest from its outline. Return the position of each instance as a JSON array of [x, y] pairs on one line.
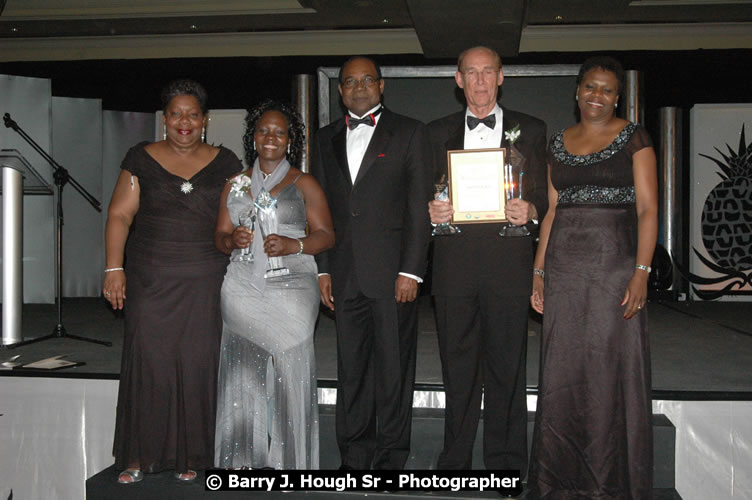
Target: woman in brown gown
[[165, 205], [593, 433]]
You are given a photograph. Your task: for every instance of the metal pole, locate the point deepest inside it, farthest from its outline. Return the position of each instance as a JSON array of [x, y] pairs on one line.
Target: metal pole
[[670, 154], [302, 92], [12, 254], [635, 103]]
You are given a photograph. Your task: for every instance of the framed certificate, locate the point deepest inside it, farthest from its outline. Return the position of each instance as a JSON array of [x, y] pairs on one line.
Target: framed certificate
[[477, 185]]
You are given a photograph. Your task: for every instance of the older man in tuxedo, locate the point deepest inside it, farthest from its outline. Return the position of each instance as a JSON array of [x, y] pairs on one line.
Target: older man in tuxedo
[[374, 166], [482, 282]]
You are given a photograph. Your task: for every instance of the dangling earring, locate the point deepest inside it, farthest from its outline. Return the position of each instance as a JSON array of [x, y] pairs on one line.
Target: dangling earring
[[254, 145], [203, 134], [616, 104], [576, 97], [164, 131], [288, 148]]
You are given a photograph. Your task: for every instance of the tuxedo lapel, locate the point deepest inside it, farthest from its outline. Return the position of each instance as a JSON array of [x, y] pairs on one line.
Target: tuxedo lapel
[[504, 126], [378, 144], [456, 138], [339, 146], [510, 121]]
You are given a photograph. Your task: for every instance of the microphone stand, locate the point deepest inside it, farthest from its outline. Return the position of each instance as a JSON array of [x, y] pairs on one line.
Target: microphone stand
[[61, 177]]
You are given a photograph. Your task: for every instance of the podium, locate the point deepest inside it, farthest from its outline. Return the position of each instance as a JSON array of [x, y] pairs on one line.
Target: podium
[[19, 178]]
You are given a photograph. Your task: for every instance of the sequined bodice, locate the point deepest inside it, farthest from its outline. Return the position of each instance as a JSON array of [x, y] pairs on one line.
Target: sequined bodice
[[291, 211], [604, 177]]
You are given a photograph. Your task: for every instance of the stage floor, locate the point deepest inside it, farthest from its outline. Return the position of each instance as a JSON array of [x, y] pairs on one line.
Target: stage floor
[[700, 350]]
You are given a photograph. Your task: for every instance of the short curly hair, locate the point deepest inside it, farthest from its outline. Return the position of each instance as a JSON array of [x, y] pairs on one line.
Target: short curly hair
[[605, 63], [185, 86], [295, 131]]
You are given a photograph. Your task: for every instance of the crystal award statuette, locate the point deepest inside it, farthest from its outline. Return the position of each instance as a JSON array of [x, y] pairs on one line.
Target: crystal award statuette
[[247, 220], [513, 172], [445, 228], [266, 215]]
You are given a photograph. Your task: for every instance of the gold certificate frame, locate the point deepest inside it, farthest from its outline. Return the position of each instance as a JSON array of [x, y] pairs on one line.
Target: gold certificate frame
[[476, 185]]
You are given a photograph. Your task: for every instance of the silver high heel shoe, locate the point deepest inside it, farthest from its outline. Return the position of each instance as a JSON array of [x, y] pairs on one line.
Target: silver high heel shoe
[[187, 476], [130, 476]]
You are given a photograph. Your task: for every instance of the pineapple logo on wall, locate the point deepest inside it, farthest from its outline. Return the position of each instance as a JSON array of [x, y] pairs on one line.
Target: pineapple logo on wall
[[727, 224]]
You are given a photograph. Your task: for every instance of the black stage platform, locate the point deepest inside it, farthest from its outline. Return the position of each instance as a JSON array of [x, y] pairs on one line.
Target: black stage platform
[[427, 434], [700, 350]]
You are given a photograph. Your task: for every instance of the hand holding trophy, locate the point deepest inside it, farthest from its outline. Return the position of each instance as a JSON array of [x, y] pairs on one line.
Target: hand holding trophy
[[442, 194], [513, 173], [247, 220], [266, 208]]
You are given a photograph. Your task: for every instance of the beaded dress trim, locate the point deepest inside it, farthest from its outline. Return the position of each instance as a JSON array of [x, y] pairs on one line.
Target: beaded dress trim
[[591, 193], [597, 194]]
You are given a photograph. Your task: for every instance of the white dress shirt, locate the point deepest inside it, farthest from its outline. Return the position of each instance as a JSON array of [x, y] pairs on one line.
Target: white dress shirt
[[482, 137], [357, 142]]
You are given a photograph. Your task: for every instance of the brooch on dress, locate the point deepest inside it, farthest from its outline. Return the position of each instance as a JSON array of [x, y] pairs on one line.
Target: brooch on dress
[[186, 187]]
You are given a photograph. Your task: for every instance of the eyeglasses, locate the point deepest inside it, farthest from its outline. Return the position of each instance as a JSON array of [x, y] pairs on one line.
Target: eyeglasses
[[366, 82]]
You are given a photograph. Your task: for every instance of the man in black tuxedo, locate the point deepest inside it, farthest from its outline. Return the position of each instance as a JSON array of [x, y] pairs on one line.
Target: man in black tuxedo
[[374, 166], [482, 282]]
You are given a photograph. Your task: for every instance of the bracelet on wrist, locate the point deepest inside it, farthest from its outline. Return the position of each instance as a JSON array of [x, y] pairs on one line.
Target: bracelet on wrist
[[539, 272], [111, 269], [300, 242], [647, 269]]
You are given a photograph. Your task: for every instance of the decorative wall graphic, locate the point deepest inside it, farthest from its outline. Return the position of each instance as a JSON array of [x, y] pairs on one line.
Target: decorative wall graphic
[[724, 247]]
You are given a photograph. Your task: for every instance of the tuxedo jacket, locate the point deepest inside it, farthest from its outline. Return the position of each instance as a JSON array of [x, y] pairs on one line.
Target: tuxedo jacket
[[381, 220], [470, 262]]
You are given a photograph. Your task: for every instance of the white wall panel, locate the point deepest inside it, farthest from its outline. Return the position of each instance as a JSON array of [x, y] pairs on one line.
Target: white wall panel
[[718, 126], [713, 448], [77, 146], [54, 434], [28, 100]]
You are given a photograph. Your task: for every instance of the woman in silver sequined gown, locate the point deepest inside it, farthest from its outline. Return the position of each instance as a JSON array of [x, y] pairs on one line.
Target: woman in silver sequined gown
[[593, 432], [267, 410]]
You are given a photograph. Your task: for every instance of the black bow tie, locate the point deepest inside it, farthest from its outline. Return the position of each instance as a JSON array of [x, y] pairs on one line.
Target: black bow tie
[[369, 119], [489, 121]]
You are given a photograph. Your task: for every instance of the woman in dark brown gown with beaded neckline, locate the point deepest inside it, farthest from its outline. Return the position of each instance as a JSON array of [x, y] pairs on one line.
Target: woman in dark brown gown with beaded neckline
[[593, 431], [165, 205]]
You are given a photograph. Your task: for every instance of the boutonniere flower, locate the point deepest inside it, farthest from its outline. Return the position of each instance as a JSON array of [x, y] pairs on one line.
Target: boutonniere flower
[[241, 183], [512, 135]]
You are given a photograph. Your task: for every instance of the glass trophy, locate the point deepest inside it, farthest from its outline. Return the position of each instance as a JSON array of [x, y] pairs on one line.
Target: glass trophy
[[442, 194], [266, 214], [247, 220], [513, 172]]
